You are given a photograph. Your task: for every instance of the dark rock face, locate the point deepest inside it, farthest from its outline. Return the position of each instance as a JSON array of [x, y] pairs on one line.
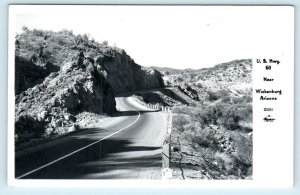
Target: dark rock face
[[28, 74], [52, 105], [124, 75], [189, 91]]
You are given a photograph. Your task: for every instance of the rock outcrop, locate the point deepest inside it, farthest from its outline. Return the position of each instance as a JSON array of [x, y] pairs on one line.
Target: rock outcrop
[[124, 75], [51, 107]]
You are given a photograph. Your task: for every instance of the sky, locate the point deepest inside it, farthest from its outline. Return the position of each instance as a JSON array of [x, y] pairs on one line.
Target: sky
[[168, 36]]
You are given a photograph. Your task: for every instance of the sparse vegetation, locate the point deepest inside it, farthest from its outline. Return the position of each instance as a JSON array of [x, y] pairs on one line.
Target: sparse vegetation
[[217, 126]]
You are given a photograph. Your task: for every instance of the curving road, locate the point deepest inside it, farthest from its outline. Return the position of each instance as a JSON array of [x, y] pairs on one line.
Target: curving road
[[126, 146]]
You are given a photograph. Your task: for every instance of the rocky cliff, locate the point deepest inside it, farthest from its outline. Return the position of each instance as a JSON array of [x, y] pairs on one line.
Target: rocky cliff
[[124, 75], [50, 108]]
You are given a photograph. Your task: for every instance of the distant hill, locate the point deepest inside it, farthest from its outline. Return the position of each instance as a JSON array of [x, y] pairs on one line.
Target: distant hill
[[235, 75], [171, 71]]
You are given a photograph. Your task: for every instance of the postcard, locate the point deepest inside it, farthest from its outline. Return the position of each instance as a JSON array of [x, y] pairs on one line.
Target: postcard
[[150, 96]]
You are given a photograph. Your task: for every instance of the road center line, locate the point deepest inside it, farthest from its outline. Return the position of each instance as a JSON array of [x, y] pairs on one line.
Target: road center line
[[80, 149]]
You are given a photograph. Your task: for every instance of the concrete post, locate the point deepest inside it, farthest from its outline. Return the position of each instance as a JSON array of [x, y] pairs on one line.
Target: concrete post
[[166, 156]]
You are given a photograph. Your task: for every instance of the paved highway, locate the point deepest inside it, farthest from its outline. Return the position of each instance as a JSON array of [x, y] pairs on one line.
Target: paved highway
[[126, 146]]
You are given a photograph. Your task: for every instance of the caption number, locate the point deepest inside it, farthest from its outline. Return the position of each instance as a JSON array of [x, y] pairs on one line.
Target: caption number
[[268, 67]]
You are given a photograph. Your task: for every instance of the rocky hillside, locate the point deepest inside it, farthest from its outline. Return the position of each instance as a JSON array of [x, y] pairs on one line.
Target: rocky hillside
[[45, 49], [225, 75]]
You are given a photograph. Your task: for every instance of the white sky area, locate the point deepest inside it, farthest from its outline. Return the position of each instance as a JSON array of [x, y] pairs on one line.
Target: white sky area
[[170, 36]]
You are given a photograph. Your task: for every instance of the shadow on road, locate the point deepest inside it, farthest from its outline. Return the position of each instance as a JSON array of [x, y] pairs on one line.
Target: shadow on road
[[108, 159], [131, 113]]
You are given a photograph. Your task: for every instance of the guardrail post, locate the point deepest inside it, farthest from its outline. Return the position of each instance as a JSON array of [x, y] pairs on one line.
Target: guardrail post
[[166, 152], [166, 156]]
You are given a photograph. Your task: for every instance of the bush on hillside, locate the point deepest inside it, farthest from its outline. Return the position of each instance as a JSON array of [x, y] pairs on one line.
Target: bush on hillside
[[212, 96], [27, 127]]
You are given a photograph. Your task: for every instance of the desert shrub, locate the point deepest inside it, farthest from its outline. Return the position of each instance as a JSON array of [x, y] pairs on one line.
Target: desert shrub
[[211, 114], [212, 96], [223, 113], [199, 85], [238, 100], [85, 38], [244, 112], [168, 83], [25, 29], [60, 40], [230, 118], [105, 43], [189, 127], [247, 98], [179, 122], [182, 110], [205, 137], [226, 99], [179, 79], [225, 161], [224, 67], [38, 33]]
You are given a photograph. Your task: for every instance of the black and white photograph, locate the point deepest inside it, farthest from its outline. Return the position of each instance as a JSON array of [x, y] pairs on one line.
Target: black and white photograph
[[103, 92]]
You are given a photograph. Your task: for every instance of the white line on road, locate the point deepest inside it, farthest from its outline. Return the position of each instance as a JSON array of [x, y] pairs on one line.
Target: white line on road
[[80, 149]]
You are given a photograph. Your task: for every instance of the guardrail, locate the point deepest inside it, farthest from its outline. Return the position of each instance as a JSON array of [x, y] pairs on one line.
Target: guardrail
[[159, 107]]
